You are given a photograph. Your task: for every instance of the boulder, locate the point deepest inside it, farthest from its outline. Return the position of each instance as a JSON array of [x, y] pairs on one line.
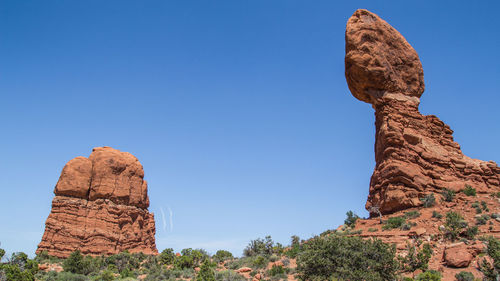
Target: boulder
[[457, 255]]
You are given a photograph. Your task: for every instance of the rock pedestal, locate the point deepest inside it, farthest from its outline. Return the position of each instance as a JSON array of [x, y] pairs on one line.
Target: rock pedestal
[[100, 207], [415, 154]]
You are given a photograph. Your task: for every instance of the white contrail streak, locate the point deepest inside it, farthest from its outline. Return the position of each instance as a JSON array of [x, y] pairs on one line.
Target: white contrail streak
[[163, 219], [171, 221]]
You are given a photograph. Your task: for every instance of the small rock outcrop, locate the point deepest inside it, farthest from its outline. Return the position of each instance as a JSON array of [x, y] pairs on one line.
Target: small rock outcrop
[[100, 207], [415, 154]]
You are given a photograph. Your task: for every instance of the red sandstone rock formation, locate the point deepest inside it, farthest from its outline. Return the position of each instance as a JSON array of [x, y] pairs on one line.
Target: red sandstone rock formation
[[415, 154], [100, 207]]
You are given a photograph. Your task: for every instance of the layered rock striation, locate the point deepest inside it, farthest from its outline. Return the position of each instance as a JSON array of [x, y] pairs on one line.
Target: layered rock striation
[[415, 154], [100, 207]]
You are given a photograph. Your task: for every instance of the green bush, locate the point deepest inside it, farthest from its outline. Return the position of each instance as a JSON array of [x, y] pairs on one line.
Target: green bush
[[454, 225], [19, 268], [482, 220], [276, 270], [190, 258], [259, 247], [394, 222], [416, 258], [228, 275], [412, 214], [484, 205], [448, 195], [294, 247], [429, 200], [222, 255], [469, 190], [351, 219], [464, 276], [491, 271], [74, 263], [436, 215], [206, 272], [106, 275], [61, 276], [471, 232], [430, 275], [167, 256], [346, 258]]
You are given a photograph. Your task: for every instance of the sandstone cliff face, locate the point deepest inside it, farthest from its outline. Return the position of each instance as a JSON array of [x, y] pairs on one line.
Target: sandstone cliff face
[[100, 207], [415, 154]]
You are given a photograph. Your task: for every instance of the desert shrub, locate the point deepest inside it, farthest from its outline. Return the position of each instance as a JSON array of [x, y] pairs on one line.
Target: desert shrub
[[259, 247], [464, 276], [471, 232], [162, 273], [430, 275], [454, 225], [482, 219], [190, 258], [417, 257], [484, 205], [491, 271], [429, 200], [294, 247], [448, 195], [478, 210], [371, 229], [206, 272], [106, 275], [222, 255], [44, 257], [228, 275], [19, 268], [167, 256], [73, 263], [475, 204], [63, 276], [469, 190], [351, 219], [394, 222], [412, 214], [276, 270], [123, 261], [259, 262], [436, 215], [12, 272], [346, 258]]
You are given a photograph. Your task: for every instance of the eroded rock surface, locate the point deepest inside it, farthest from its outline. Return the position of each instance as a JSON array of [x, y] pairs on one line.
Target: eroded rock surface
[[415, 154], [100, 207]]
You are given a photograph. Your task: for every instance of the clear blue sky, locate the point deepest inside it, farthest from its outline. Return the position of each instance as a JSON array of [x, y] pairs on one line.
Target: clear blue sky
[[238, 110]]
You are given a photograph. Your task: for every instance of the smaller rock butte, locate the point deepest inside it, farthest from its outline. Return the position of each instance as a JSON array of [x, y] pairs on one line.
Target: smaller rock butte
[[415, 154], [100, 207]]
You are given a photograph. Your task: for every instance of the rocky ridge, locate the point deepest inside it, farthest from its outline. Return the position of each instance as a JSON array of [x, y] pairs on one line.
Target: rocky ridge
[[100, 207]]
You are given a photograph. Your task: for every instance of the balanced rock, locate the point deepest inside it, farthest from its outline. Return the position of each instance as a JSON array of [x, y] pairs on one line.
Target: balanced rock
[[100, 207], [415, 154]]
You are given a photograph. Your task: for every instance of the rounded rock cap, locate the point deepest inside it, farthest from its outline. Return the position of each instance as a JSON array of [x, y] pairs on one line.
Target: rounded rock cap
[[379, 62]]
